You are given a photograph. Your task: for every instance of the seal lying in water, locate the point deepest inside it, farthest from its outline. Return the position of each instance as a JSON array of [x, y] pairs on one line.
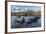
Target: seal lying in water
[[35, 19]]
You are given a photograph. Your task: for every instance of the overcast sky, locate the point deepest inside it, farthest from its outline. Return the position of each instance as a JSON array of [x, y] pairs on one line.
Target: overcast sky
[[34, 8]]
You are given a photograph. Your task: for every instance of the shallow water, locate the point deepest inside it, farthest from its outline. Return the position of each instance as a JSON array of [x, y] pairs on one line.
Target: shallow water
[[24, 25]]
